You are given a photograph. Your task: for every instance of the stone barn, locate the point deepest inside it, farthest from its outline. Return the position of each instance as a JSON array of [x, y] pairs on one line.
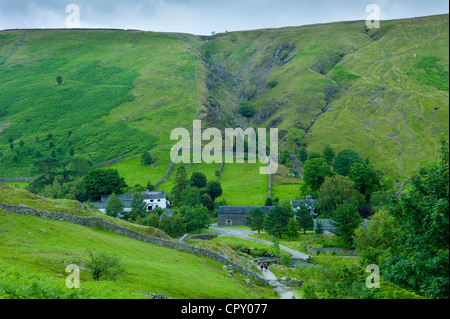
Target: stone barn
[[236, 215]]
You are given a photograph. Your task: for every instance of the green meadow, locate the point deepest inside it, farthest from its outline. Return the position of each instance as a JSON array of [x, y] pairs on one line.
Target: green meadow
[[148, 268]]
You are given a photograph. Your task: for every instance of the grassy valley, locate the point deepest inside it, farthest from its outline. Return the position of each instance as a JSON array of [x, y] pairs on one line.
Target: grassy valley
[[360, 113]]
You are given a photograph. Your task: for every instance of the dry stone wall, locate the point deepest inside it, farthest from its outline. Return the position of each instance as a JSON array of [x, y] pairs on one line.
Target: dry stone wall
[[338, 251]]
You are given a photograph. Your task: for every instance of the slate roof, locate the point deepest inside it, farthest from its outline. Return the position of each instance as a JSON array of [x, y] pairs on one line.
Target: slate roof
[[129, 197], [241, 209], [309, 202]]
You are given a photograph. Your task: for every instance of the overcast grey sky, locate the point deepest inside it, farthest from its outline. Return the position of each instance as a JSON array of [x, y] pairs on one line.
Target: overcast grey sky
[[204, 16]]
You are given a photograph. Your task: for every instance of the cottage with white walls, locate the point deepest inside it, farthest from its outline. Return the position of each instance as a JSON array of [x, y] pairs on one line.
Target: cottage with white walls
[[151, 200]]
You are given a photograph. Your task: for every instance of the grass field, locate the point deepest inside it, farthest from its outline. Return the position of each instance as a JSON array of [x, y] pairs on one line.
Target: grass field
[[149, 268], [242, 184]]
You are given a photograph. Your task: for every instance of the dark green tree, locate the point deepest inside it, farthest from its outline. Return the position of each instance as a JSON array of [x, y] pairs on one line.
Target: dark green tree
[[302, 155], [150, 187], [246, 109], [195, 218], [178, 228], [346, 220], [292, 228], [48, 167], [256, 219], [345, 160], [190, 196], [367, 179], [151, 220], [284, 156], [335, 191], [315, 172], [181, 182], [59, 79], [207, 201], [147, 158], [419, 258], [268, 202], [276, 221], [214, 189], [138, 206], [328, 153], [303, 217], [100, 182], [103, 266], [165, 224], [198, 180], [114, 206]]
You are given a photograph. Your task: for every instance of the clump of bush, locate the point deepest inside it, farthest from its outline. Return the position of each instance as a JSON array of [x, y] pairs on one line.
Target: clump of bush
[[246, 109], [103, 266]]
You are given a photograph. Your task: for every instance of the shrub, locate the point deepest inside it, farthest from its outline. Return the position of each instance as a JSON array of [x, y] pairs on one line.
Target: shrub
[[284, 54], [246, 109], [272, 84], [114, 206], [104, 267], [59, 79], [147, 158]]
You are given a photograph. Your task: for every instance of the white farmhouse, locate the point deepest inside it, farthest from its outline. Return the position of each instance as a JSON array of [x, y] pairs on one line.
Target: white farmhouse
[[151, 200]]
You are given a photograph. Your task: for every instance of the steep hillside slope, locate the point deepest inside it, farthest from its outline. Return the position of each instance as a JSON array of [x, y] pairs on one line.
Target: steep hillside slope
[[381, 92], [122, 93]]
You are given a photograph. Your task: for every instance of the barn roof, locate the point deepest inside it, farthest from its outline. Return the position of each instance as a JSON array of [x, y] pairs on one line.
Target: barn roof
[[129, 197]]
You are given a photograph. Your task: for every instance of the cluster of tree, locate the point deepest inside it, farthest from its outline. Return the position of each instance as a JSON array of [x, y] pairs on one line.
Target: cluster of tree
[[73, 178], [21, 150], [344, 186], [409, 240], [174, 226], [196, 190], [195, 198], [61, 178], [281, 219]]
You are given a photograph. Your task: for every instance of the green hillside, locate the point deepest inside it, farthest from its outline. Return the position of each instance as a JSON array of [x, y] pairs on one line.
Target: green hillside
[[380, 92], [122, 93]]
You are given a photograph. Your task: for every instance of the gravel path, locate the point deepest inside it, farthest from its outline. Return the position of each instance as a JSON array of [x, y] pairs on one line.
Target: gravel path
[[281, 289]]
